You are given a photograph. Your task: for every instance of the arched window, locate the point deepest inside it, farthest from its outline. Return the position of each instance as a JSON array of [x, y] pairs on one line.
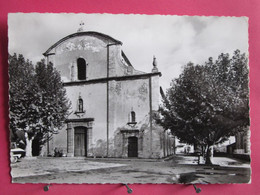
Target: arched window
[[80, 105], [133, 117], [81, 63]]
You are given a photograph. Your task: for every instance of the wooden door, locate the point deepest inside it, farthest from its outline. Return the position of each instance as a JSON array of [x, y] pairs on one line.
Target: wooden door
[[132, 147], [80, 141]]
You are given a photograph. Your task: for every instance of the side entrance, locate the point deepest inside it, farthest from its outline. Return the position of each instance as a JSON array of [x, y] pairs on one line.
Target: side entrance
[[132, 147]]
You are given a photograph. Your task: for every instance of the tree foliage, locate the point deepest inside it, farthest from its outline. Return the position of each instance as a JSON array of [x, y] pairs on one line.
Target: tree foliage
[[22, 95], [209, 102], [38, 103], [53, 104]]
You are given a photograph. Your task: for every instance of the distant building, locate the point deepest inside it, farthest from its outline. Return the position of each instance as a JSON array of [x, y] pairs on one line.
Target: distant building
[[223, 147], [112, 103], [183, 148], [242, 145]]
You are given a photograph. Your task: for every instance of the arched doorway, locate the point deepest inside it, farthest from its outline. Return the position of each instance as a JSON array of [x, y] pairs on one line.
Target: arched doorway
[[80, 141], [132, 147]]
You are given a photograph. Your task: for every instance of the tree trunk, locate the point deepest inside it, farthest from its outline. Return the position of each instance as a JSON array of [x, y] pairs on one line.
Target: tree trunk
[[28, 148], [209, 155]]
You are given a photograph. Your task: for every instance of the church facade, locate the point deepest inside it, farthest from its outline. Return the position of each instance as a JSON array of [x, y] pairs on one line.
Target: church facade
[[112, 104]]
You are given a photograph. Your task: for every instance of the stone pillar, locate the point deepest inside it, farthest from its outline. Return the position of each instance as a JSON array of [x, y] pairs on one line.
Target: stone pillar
[[90, 151], [70, 140], [125, 146]]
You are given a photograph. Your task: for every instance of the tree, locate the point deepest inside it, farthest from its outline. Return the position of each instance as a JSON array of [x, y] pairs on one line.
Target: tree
[[208, 103], [38, 103], [23, 94], [53, 105]]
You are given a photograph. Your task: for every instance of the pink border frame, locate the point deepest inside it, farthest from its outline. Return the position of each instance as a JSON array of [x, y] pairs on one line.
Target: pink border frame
[[249, 8]]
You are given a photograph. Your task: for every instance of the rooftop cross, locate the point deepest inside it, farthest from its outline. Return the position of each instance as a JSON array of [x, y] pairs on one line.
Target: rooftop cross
[[81, 26]]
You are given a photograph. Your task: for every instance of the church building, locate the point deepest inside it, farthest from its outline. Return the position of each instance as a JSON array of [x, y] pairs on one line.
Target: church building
[[112, 104]]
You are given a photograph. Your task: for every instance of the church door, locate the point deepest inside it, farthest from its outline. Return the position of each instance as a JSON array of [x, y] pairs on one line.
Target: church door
[[80, 145], [132, 147]]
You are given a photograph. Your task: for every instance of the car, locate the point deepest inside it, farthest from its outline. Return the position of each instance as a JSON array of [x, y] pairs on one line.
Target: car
[[16, 153]]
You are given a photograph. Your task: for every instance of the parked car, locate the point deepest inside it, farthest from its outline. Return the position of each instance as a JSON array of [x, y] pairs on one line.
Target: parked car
[[16, 152]]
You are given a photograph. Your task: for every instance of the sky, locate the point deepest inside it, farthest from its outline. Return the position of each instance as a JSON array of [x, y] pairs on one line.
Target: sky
[[173, 40]]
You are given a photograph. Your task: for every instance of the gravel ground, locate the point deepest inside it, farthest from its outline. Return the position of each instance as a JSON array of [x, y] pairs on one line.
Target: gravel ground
[[178, 169]]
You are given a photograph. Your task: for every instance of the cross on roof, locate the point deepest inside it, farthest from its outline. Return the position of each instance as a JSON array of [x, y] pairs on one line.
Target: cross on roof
[[81, 28], [81, 23]]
